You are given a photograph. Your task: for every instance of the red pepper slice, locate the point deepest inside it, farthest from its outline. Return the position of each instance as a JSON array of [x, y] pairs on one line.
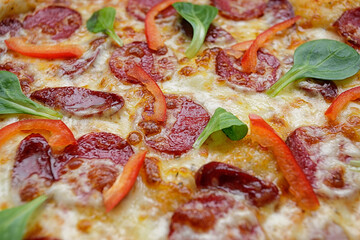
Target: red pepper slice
[[339, 103], [242, 46], [160, 103], [249, 60], [152, 33], [55, 131], [300, 187], [43, 51], [124, 182]]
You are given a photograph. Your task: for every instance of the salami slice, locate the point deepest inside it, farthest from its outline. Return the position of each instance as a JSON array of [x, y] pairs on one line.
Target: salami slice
[[58, 21], [159, 65], [73, 67], [32, 169], [21, 71], [321, 153], [178, 136], [348, 26], [203, 218], [279, 10], [267, 71], [9, 25], [217, 175], [139, 8], [241, 9], [79, 101], [327, 89]]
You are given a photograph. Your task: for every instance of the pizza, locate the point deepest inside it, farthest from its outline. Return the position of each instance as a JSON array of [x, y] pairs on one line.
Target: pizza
[[204, 119]]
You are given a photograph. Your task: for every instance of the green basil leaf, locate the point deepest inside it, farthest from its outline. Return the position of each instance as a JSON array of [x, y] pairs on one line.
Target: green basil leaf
[[13, 101], [200, 18], [321, 59], [225, 121], [13, 221], [103, 21]]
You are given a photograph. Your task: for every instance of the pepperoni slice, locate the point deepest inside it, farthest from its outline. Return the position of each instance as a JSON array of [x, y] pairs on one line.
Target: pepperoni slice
[[139, 8], [79, 101], [20, 70], [101, 145], [321, 153], [267, 71], [241, 9], [73, 67], [32, 168], [206, 214], [215, 34], [217, 175], [159, 65], [348, 26], [178, 136], [279, 10], [327, 89], [58, 21], [9, 25]]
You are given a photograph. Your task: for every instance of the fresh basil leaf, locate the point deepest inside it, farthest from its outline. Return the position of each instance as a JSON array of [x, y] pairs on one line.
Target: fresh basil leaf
[[103, 21], [13, 221], [13, 101], [200, 18], [225, 121], [321, 59]]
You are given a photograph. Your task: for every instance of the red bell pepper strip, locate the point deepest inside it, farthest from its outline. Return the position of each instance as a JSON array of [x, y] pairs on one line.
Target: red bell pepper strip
[[300, 187], [56, 132], [242, 46], [152, 33], [249, 60], [124, 182], [44, 50], [339, 103], [159, 114]]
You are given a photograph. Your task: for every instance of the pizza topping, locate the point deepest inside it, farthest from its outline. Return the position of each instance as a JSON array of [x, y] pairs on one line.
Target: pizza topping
[[225, 121], [200, 18], [280, 10], [58, 21], [240, 9], [215, 34], [33, 157], [159, 65], [20, 70], [211, 216], [139, 8], [101, 145], [124, 181], [152, 33], [321, 59], [229, 69], [58, 134], [341, 101], [159, 106], [13, 221], [73, 67], [47, 51], [13, 101], [79, 101], [103, 21], [348, 25], [216, 175], [178, 137], [327, 89], [249, 60], [300, 187], [323, 155], [9, 25]]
